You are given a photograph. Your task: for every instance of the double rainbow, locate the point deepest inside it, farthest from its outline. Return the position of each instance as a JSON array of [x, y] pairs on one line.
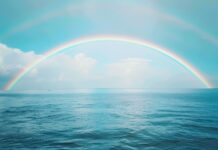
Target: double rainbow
[[90, 39]]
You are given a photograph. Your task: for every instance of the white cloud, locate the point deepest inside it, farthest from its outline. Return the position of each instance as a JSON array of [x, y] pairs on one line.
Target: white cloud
[[12, 59], [129, 72], [59, 71], [62, 72], [81, 71]]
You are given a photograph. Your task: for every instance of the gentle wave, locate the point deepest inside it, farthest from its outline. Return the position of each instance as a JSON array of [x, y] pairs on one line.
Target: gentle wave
[[138, 120]]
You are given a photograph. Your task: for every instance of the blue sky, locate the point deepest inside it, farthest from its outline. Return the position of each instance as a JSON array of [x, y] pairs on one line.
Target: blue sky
[[188, 28]]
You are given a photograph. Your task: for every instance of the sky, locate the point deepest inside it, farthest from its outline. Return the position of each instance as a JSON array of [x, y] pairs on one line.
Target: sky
[[29, 29]]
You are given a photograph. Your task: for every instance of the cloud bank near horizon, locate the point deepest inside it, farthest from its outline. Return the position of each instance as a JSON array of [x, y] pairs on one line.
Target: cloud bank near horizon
[[80, 70]]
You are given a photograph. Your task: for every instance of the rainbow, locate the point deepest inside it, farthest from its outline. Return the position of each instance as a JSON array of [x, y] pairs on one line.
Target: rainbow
[[51, 15], [90, 39]]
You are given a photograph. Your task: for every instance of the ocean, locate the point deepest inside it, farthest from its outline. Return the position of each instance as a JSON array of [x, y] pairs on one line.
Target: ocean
[[110, 119]]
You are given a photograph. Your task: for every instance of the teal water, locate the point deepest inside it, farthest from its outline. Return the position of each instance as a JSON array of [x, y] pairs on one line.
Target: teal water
[[182, 120]]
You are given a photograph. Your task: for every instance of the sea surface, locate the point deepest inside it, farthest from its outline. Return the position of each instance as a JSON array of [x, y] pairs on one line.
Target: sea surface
[[110, 119]]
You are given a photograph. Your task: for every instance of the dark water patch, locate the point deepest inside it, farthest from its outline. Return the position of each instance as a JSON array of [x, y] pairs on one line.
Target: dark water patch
[[202, 127]]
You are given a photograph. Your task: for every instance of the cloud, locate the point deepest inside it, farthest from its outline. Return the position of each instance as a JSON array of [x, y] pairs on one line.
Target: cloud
[[62, 72], [12, 59], [144, 73], [129, 72], [67, 71]]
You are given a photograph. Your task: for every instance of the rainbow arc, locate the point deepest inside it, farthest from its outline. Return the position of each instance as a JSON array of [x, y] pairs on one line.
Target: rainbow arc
[[100, 38]]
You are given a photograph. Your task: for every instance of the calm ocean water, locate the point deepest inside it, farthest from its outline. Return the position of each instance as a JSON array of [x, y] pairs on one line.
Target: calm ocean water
[[128, 119]]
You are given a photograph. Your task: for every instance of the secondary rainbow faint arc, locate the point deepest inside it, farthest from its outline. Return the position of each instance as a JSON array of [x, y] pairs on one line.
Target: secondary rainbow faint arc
[[99, 38]]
